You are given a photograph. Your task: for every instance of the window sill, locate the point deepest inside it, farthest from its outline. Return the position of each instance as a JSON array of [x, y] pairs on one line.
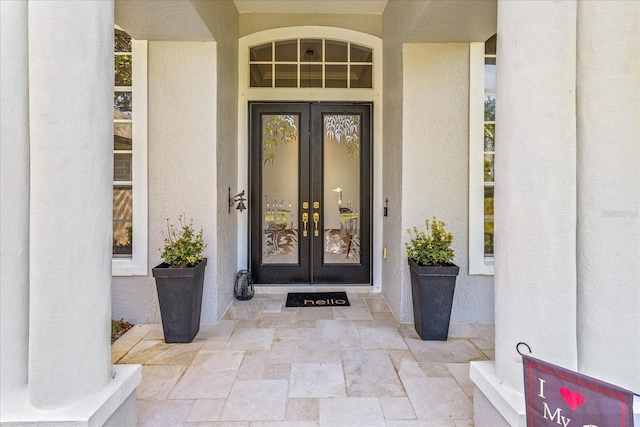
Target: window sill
[[127, 267], [482, 268]]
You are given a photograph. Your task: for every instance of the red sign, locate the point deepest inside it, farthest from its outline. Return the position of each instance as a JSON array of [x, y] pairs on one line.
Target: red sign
[[556, 396]]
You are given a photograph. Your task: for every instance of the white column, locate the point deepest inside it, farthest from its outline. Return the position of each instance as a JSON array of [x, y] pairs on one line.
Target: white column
[[71, 99], [535, 189], [608, 96], [14, 202]]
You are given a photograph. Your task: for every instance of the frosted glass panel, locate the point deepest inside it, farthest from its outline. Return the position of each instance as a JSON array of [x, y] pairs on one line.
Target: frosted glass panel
[[341, 189], [280, 189]]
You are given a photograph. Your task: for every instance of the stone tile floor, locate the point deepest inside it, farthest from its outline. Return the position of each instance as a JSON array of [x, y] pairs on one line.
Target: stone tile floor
[[266, 365]]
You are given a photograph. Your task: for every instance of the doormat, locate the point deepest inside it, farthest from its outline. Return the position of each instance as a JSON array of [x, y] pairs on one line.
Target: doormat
[[317, 299]]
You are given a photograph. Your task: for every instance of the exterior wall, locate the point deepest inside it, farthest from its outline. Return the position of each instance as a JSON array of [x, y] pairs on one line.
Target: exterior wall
[[426, 103], [221, 17], [397, 20], [167, 20], [182, 168], [193, 102], [435, 171], [253, 22]]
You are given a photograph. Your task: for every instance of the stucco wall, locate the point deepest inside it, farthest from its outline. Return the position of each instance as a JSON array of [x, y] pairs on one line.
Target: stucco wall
[[253, 22], [397, 20], [182, 167], [426, 99], [193, 102], [221, 17], [436, 164]]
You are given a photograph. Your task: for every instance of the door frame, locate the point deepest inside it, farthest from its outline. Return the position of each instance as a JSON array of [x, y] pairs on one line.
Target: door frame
[[374, 95]]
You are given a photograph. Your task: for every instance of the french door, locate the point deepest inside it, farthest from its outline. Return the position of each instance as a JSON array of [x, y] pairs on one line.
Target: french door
[[310, 194]]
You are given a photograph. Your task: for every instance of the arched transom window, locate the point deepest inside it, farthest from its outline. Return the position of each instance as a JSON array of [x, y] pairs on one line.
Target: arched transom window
[[305, 62]]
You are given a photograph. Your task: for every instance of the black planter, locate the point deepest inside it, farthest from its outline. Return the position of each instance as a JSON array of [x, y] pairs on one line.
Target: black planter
[[180, 298], [432, 290]]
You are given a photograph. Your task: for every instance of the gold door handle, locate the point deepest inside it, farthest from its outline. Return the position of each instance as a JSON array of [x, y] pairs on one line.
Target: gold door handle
[[316, 219], [305, 220]]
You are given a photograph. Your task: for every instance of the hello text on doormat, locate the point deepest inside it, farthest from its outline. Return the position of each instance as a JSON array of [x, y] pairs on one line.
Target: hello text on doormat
[[317, 299]]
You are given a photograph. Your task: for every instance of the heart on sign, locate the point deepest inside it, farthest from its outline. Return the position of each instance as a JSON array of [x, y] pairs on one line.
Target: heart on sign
[[573, 398]]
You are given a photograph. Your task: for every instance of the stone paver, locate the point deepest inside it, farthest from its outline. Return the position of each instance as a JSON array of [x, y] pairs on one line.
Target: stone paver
[[268, 365]]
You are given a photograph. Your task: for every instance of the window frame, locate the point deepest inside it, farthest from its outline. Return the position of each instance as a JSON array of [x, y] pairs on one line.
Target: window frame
[[299, 62], [137, 265], [479, 264]]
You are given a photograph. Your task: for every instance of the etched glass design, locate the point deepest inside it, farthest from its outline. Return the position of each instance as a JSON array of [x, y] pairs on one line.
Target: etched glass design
[[280, 204], [341, 148]]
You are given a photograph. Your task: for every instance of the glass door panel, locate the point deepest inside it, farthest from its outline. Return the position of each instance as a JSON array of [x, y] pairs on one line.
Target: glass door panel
[[280, 178], [341, 141], [279, 186], [341, 184]]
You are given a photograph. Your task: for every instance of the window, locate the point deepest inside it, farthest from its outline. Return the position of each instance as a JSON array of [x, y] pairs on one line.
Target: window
[[482, 99], [129, 156], [319, 63]]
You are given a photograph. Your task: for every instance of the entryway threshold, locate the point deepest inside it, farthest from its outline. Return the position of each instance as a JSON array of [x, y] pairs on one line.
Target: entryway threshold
[[284, 288]]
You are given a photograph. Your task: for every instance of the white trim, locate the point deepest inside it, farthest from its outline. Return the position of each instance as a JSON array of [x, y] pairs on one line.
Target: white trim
[[299, 63], [478, 263], [373, 95], [137, 265]]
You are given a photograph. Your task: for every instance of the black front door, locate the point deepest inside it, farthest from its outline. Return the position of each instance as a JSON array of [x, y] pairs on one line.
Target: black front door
[[310, 196]]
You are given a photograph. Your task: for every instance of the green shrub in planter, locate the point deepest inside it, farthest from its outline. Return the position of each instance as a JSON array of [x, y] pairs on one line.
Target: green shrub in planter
[[180, 280], [432, 247], [183, 247], [433, 279]]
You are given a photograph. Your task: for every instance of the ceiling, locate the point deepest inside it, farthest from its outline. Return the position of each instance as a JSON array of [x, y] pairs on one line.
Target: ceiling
[[432, 21], [311, 6]]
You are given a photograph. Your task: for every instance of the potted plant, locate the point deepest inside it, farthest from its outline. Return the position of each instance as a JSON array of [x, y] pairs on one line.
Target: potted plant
[[433, 279], [179, 281]]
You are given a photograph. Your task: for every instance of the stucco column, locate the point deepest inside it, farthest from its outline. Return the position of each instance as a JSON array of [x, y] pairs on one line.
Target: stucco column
[[608, 96], [71, 98], [535, 188], [14, 202]]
